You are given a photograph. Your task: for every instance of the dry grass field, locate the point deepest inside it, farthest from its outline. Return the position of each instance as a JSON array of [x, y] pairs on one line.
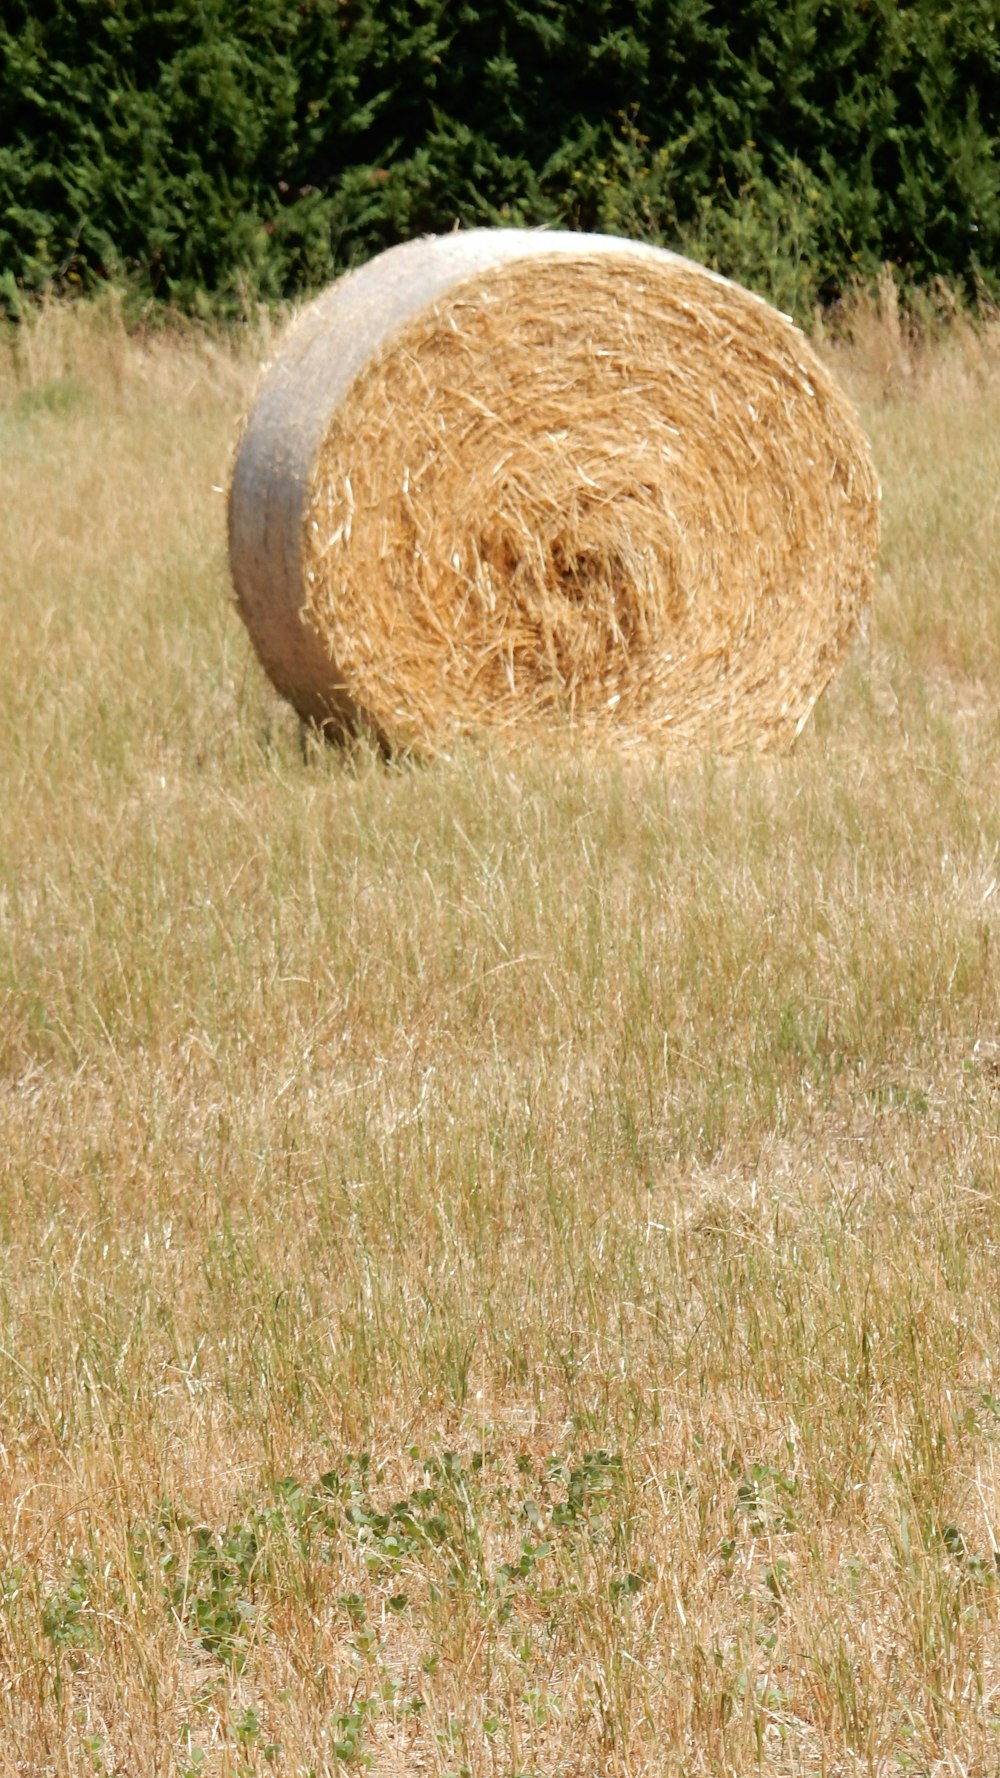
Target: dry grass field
[[500, 1260]]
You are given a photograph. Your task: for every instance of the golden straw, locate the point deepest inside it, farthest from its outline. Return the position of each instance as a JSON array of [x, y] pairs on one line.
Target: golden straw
[[519, 480]]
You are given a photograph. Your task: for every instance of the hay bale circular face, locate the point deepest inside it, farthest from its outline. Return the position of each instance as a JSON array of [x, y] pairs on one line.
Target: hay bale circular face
[[511, 479]]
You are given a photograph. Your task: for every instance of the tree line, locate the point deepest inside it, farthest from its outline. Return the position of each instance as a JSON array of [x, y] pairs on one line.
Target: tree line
[[215, 153]]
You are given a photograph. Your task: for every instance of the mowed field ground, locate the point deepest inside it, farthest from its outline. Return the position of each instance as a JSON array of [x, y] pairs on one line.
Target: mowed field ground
[[499, 1260]]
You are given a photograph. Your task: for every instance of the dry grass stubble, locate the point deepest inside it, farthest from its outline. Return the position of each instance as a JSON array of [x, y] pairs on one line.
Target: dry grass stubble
[[498, 1260]]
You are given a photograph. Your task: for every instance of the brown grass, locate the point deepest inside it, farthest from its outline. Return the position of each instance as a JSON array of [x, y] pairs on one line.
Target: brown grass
[[499, 1260]]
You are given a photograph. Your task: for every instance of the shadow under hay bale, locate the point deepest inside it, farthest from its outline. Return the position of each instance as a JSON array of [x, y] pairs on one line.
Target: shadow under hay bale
[[512, 479]]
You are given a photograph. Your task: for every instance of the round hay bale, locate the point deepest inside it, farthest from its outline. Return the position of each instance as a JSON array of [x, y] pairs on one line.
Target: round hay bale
[[508, 478]]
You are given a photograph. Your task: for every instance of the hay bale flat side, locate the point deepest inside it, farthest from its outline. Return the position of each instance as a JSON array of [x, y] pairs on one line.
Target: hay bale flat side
[[514, 479]]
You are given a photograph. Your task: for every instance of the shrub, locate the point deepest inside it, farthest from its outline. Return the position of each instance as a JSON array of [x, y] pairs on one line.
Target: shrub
[[226, 152]]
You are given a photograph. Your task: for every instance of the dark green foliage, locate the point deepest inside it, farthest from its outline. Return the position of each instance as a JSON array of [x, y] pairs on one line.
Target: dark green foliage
[[217, 151]]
